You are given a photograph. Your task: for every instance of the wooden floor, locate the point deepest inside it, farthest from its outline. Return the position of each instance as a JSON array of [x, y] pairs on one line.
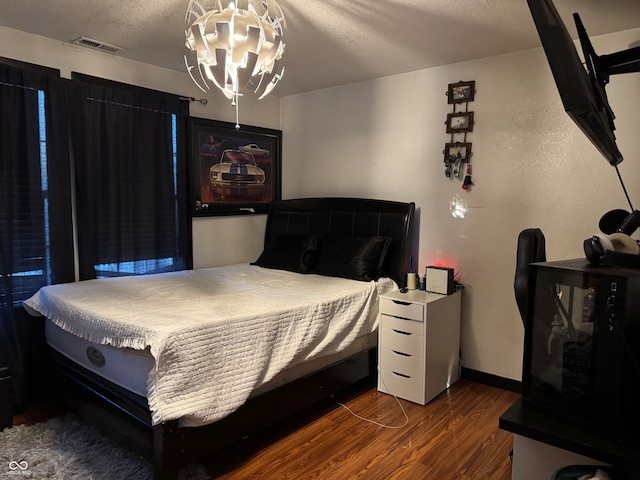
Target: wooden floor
[[455, 436]]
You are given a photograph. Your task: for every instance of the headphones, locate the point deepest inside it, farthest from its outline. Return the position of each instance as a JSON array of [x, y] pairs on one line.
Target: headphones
[[613, 245]]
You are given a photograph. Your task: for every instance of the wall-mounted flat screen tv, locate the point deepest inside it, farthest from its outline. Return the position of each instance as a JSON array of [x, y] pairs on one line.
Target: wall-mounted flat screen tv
[[582, 85]]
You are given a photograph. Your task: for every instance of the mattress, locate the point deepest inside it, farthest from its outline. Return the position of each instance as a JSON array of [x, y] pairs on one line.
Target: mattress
[[126, 367], [129, 368], [206, 339]]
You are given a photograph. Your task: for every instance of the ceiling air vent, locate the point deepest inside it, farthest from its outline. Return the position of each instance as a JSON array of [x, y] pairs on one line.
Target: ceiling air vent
[[96, 45]]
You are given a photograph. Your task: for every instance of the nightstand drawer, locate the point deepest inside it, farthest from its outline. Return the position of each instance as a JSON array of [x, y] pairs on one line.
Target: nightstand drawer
[[403, 363], [397, 308], [409, 388], [408, 343], [402, 324]]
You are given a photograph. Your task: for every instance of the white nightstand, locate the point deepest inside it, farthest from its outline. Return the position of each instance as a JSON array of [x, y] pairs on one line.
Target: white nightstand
[[418, 344]]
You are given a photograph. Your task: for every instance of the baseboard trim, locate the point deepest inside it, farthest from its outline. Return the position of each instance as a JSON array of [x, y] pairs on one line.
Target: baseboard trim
[[491, 380]]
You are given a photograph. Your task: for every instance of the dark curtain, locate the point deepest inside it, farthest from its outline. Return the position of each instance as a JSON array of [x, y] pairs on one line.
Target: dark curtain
[[36, 243], [131, 179]]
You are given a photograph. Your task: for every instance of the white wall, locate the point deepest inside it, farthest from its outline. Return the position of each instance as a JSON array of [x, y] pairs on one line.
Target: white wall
[[532, 167], [217, 241]]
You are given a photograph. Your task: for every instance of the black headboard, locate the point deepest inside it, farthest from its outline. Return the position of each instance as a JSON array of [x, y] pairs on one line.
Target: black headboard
[[351, 216]]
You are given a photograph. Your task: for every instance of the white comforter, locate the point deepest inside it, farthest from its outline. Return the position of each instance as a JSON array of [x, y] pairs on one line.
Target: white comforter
[[216, 334]]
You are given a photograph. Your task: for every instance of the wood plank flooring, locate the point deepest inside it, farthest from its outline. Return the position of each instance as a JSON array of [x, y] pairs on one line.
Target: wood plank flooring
[[455, 436]]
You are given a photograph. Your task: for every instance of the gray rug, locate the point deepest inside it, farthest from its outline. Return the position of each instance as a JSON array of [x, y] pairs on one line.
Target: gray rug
[[66, 448]]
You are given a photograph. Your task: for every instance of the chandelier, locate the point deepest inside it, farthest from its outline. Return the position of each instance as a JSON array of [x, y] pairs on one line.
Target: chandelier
[[235, 48]]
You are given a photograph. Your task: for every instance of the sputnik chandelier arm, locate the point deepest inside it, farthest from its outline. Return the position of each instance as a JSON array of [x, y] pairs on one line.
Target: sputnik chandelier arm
[[235, 46]]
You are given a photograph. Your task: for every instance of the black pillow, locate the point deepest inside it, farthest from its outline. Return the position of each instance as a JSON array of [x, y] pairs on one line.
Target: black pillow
[[357, 258], [295, 253]]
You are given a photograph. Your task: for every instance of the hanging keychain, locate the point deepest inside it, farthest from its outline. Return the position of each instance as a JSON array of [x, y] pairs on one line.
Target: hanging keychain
[[457, 170], [467, 179]]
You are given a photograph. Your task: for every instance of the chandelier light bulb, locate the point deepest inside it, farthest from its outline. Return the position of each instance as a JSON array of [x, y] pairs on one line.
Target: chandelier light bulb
[[235, 46]]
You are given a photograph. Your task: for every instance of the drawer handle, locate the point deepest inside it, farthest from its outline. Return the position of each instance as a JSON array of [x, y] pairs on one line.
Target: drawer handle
[[401, 353], [399, 302], [401, 375], [401, 332]]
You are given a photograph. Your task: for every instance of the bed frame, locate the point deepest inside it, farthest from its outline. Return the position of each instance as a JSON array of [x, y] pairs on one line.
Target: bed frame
[[168, 446]]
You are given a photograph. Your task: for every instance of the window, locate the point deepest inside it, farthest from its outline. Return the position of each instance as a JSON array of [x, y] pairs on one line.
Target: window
[[24, 189], [130, 166], [36, 231], [154, 265], [32, 271]]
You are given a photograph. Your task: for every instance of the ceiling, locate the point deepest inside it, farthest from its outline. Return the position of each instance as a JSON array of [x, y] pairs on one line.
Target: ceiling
[[328, 42]]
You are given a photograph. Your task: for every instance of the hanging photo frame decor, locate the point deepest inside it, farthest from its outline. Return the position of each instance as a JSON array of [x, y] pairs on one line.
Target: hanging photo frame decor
[[457, 150], [461, 92], [459, 122]]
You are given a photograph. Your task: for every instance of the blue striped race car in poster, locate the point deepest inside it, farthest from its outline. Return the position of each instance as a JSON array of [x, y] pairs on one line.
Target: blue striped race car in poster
[[236, 175]]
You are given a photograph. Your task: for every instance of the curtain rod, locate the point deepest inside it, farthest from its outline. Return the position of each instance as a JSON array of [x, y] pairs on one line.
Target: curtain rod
[[203, 101]]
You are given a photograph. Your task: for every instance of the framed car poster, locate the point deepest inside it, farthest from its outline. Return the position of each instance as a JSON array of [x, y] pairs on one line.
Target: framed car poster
[[233, 171]]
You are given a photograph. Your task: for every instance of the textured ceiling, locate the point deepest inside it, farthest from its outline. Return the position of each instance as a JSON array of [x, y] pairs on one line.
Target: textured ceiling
[[328, 42]]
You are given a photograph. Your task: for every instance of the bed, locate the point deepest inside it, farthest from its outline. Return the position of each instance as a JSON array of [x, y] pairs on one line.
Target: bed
[[179, 365]]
